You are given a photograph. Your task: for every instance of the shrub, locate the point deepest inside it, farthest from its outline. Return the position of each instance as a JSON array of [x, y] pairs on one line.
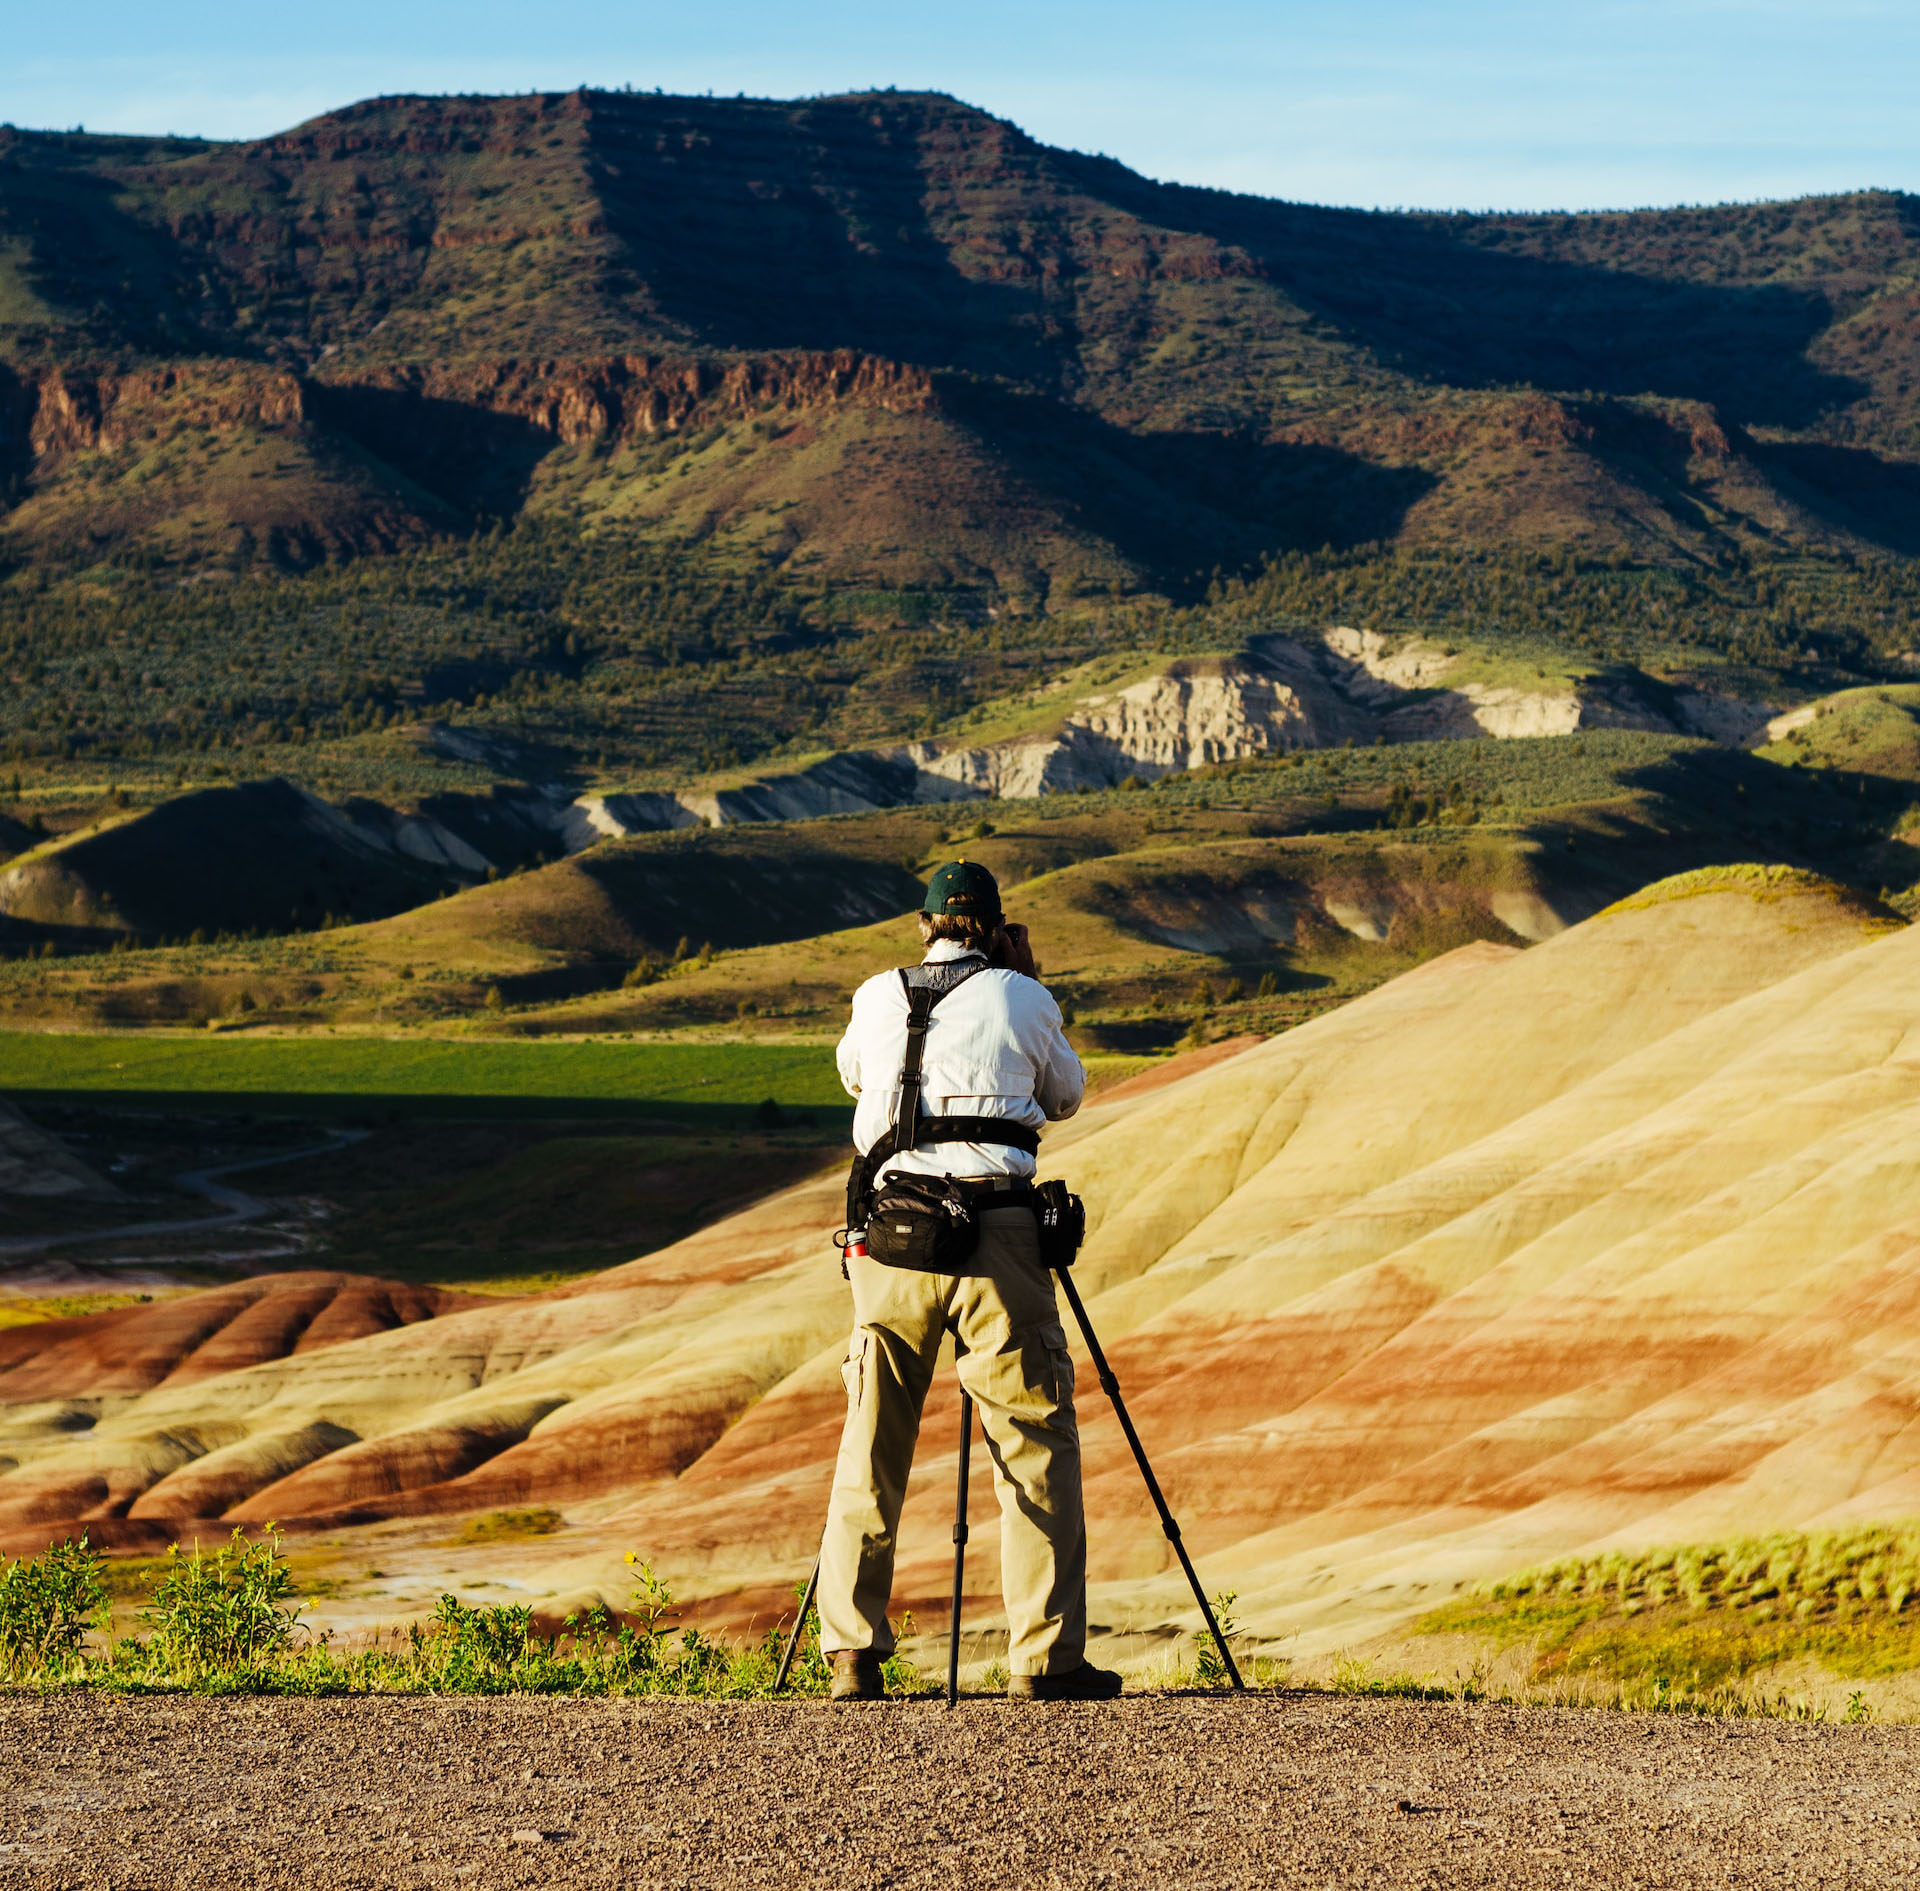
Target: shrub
[[1709, 1616], [222, 1615], [507, 1525], [48, 1603], [474, 1651]]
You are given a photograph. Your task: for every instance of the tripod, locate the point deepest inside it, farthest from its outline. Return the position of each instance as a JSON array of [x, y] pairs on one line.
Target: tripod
[[1110, 1385]]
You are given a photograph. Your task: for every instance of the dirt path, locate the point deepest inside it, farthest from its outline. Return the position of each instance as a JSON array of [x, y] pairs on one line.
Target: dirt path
[[1308, 1791], [234, 1204]]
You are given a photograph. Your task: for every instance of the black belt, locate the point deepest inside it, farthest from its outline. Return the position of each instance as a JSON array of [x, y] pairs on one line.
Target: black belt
[[994, 1191], [929, 1130]]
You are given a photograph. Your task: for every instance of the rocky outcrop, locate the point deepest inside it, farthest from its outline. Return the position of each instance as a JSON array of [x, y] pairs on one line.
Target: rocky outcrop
[[842, 784], [596, 817], [622, 398], [1192, 713], [1281, 693], [78, 409], [1406, 681]]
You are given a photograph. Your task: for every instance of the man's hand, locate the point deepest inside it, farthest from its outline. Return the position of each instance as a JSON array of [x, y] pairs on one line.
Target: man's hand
[[1013, 950]]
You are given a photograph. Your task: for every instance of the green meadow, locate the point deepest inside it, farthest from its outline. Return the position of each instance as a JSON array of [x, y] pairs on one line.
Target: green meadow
[[311, 1075], [421, 1076]]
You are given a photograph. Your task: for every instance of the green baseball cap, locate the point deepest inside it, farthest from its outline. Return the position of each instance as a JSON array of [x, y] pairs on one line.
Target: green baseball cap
[[964, 887]]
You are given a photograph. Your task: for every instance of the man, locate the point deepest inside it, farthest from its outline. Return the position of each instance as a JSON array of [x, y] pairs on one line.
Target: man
[[993, 1047]]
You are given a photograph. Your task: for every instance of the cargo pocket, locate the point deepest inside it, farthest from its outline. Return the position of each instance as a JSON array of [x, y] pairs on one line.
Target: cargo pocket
[[853, 1368], [1059, 1365]]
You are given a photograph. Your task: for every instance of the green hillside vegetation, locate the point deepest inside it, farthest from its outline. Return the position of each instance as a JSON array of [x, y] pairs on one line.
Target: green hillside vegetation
[[706, 431], [597, 658], [1864, 731], [438, 453], [1706, 1618], [1246, 896]]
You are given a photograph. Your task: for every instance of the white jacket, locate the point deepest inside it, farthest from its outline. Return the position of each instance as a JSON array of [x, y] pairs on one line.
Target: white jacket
[[994, 1047]]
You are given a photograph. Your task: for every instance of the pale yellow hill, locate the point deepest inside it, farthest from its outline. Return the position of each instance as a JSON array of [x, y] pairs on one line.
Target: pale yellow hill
[[1616, 1239]]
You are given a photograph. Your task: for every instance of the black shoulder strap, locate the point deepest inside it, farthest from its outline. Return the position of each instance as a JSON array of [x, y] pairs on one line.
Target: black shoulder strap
[[921, 1000]]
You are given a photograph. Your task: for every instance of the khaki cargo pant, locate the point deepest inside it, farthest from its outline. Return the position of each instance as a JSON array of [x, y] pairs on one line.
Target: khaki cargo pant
[[1012, 1356]]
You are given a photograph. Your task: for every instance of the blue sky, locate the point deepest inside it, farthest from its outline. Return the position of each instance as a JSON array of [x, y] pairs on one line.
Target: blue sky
[[1470, 104]]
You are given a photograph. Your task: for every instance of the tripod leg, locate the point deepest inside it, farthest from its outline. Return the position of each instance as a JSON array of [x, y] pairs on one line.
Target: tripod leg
[[959, 1549], [799, 1628], [1111, 1387]]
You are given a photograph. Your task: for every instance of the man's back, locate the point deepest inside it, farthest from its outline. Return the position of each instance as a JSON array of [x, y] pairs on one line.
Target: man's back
[[994, 1047]]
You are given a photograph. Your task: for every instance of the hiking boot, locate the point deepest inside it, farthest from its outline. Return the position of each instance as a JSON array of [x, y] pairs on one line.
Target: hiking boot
[[856, 1675], [1084, 1683]]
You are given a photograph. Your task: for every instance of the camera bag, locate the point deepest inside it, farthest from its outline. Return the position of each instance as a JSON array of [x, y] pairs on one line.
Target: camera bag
[[1060, 1219]]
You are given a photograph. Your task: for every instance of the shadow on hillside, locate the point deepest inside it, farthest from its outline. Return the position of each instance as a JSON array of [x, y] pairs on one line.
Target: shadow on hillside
[[16, 451], [86, 251], [806, 226], [1432, 296], [1178, 503], [1717, 807], [824, 225], [805, 1122], [473, 458], [1878, 498]]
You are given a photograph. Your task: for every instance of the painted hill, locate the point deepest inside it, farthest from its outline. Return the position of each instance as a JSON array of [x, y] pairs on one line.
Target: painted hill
[[1606, 1241]]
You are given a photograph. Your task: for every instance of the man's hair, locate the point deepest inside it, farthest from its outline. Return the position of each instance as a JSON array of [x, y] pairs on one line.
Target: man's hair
[[963, 927]]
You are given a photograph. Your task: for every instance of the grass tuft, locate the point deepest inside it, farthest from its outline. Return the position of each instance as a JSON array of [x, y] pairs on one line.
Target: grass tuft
[[1702, 1619], [506, 1526]]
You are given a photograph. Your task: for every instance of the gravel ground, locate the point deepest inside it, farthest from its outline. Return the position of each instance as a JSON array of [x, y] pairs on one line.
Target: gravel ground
[[1306, 1790]]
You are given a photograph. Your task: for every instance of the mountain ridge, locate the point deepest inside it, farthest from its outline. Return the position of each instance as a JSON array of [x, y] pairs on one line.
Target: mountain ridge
[[486, 303]]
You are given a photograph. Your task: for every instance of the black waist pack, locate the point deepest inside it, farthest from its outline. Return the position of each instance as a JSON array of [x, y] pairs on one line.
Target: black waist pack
[[1060, 1219], [921, 1221]]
